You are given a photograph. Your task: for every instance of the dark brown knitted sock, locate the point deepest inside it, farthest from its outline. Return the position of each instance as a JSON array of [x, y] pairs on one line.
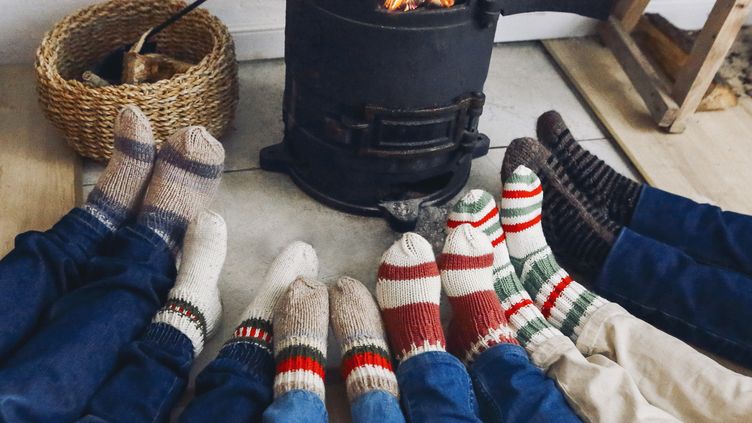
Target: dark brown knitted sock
[[605, 187], [578, 232]]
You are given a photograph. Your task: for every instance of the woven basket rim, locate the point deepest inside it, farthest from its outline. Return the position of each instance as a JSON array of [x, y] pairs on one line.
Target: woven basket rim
[[46, 64]]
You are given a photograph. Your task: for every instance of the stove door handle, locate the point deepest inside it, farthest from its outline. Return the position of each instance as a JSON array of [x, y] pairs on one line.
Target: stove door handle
[[598, 9]]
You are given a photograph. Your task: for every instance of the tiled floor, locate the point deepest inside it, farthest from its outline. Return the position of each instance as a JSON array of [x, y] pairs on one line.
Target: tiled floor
[[265, 211]]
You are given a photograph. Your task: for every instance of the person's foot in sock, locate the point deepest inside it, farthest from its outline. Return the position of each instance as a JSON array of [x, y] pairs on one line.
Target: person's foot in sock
[[604, 186], [301, 323], [120, 189], [478, 322], [565, 303], [366, 361], [528, 325], [408, 291], [296, 260], [186, 177], [578, 232], [193, 306]]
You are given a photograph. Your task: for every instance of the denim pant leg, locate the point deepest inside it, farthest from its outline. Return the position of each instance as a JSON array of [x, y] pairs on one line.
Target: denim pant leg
[[704, 232], [42, 267], [703, 305], [55, 373], [236, 386], [511, 389], [149, 378], [376, 407], [297, 406], [435, 387]]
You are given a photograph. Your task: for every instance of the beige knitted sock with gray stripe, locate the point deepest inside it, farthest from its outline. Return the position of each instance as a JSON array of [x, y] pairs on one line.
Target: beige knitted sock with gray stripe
[[366, 361], [186, 177], [301, 327], [193, 305], [120, 188]]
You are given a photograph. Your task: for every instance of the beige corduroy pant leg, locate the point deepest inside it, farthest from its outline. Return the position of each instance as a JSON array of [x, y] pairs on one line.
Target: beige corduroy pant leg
[[669, 373], [597, 389]]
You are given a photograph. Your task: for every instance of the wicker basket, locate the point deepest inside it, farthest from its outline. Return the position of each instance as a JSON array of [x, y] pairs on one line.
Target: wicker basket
[[207, 94]]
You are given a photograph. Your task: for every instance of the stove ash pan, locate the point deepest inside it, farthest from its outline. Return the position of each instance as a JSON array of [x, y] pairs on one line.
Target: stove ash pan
[[381, 109]]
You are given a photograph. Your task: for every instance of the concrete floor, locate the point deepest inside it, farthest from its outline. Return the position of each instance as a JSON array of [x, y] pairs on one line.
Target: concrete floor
[[266, 211]]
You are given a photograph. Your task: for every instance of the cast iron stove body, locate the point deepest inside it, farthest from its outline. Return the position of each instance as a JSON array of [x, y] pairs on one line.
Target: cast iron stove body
[[381, 109]]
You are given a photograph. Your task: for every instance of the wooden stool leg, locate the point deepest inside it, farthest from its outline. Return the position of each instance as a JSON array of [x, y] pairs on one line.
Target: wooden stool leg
[[628, 12], [707, 56]]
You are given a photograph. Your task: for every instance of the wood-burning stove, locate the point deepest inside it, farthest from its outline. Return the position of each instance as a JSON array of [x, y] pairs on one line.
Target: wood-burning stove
[[381, 109]]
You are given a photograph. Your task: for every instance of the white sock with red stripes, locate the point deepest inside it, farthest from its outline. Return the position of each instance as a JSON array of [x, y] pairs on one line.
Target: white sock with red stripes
[[478, 208], [297, 259], [478, 321], [408, 291], [565, 303]]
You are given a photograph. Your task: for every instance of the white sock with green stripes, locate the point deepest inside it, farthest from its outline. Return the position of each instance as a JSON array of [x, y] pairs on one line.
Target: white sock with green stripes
[[565, 303], [478, 208]]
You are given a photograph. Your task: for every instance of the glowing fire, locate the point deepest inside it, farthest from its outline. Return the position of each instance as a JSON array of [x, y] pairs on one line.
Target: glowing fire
[[407, 5]]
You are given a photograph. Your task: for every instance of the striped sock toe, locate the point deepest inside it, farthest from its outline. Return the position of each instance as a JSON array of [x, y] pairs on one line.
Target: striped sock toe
[[366, 361], [301, 322], [121, 187], [604, 186], [478, 321], [529, 326], [562, 301], [186, 178], [408, 291]]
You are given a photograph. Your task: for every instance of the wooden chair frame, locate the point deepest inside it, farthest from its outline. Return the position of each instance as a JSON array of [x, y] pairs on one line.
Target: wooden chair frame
[[671, 105]]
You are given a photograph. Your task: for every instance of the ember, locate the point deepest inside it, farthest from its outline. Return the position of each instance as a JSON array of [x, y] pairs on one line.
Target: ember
[[407, 5]]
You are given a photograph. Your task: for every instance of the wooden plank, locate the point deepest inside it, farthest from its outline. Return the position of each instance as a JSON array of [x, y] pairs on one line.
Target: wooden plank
[[707, 56], [644, 77], [628, 12], [709, 162], [38, 172]]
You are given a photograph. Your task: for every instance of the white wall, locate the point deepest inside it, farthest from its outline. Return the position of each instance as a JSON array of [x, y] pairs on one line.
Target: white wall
[[258, 24]]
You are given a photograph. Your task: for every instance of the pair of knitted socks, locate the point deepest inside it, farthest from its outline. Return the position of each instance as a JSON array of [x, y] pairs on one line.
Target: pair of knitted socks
[[409, 288], [586, 203], [544, 300], [165, 190], [301, 323]]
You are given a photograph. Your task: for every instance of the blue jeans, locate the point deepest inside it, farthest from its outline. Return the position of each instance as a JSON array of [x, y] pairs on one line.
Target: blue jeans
[[150, 377], [53, 375], [42, 267], [686, 273], [511, 389], [236, 386], [435, 387], [376, 407], [706, 233], [297, 407]]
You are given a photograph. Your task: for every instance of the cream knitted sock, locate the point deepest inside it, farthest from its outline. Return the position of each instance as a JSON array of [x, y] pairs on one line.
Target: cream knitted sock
[[366, 362], [121, 186], [186, 177], [297, 259], [301, 322], [193, 306]]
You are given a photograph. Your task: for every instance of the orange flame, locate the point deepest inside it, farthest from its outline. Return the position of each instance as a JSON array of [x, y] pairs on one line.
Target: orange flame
[[407, 5]]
